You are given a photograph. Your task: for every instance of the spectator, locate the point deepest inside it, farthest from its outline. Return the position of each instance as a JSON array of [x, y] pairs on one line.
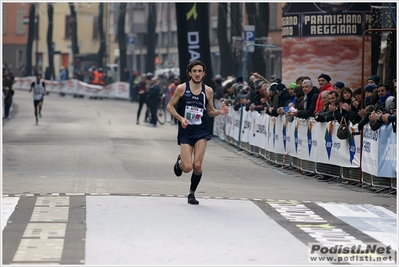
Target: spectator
[[142, 95], [153, 99], [171, 89], [311, 94], [101, 77], [284, 99], [357, 98], [390, 107], [242, 96], [325, 85], [8, 92], [256, 95], [218, 87], [80, 75], [62, 76], [338, 87], [47, 74], [230, 93], [300, 79], [347, 106], [374, 79], [273, 96], [333, 112], [260, 99], [299, 95], [375, 117], [290, 89], [370, 94], [322, 114], [125, 75]]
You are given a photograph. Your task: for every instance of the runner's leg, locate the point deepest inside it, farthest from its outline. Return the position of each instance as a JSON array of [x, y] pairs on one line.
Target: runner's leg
[[186, 154]]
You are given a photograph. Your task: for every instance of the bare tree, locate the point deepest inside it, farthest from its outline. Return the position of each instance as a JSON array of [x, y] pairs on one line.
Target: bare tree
[[151, 24], [236, 30], [122, 40], [50, 13], [226, 67], [74, 36], [103, 44], [31, 33], [257, 19]]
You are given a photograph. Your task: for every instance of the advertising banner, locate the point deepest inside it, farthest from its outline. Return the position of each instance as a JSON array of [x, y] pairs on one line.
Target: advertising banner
[[326, 38], [193, 37]]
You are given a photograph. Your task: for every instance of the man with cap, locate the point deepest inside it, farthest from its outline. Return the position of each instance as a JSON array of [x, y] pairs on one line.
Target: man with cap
[[260, 99], [284, 99], [325, 85], [39, 90], [290, 89], [374, 79], [338, 87]]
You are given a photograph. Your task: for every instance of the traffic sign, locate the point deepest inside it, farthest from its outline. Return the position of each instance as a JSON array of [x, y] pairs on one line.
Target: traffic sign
[[249, 37], [131, 39]]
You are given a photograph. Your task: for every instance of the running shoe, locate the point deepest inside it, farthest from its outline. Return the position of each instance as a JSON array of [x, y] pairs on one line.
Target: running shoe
[[191, 200], [176, 168], [37, 122]]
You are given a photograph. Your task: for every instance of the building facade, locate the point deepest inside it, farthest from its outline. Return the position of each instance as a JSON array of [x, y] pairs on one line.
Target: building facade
[[15, 34]]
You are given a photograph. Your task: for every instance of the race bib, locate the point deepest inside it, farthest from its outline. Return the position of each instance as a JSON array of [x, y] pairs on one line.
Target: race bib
[[193, 115]]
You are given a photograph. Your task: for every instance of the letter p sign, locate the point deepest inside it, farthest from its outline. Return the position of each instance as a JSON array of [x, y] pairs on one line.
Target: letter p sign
[[249, 36], [249, 33]]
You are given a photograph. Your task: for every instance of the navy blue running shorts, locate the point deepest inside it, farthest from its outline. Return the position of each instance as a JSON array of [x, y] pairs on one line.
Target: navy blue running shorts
[[192, 139], [36, 102]]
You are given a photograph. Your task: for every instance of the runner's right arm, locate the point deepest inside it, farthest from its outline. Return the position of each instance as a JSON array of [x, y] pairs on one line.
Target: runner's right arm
[[172, 103]]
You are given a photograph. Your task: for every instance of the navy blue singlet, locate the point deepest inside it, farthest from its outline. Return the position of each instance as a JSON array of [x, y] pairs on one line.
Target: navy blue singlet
[[193, 108]]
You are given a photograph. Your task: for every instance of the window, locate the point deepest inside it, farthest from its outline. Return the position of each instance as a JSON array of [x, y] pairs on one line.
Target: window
[[20, 27], [96, 30], [20, 56], [68, 29]]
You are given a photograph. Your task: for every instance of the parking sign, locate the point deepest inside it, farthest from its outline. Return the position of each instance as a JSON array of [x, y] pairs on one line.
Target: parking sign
[[249, 37], [131, 39]]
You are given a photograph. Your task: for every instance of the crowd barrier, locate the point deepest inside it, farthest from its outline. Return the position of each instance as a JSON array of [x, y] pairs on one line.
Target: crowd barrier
[[118, 90], [313, 147]]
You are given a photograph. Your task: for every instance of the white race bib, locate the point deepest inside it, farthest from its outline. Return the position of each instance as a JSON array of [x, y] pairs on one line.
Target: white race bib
[[193, 115]]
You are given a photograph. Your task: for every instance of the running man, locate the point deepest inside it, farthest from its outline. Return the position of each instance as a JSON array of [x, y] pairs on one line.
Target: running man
[[193, 99], [39, 90]]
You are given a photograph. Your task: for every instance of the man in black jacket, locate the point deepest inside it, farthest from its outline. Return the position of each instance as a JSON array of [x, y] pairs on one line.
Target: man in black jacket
[[311, 94], [153, 100], [284, 99]]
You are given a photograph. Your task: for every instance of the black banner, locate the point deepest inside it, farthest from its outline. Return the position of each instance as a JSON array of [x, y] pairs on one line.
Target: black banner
[[193, 38], [325, 19]]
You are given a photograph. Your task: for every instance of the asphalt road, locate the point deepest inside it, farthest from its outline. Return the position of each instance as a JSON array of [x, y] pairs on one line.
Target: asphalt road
[[95, 146], [90, 153]]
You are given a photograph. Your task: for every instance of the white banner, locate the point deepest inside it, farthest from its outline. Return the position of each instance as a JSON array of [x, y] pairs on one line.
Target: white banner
[[73, 86], [309, 140]]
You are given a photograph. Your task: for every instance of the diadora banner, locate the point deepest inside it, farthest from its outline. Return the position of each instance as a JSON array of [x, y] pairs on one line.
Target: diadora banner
[[193, 37], [326, 38]]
